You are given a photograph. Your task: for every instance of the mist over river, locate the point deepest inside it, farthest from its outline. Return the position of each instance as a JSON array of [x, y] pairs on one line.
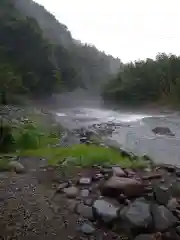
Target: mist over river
[[134, 132]]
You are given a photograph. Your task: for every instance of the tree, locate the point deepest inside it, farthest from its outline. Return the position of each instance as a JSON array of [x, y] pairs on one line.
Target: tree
[[147, 81]]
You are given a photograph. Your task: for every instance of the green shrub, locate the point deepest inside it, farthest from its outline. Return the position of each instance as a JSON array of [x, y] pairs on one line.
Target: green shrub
[[7, 141]]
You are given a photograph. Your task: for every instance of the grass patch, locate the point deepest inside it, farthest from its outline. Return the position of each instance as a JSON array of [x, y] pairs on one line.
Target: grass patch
[[84, 156]]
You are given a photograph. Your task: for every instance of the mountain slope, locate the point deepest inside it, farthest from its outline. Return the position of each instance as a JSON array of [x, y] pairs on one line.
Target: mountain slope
[[92, 68]]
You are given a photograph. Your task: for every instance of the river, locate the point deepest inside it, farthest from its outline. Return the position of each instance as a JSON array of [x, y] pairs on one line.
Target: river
[[135, 132]]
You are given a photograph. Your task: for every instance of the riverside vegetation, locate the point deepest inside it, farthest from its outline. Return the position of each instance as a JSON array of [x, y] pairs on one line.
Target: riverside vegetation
[[146, 81], [28, 136]]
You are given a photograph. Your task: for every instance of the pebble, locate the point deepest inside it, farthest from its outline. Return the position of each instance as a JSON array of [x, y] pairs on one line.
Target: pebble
[[117, 171], [87, 228], [84, 193], [172, 204], [61, 187], [85, 181], [17, 167], [88, 201], [145, 237], [71, 192], [85, 211], [152, 176], [97, 176]]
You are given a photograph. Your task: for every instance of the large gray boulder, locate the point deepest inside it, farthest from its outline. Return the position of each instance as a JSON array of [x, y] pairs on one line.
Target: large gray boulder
[[105, 210], [137, 214], [163, 218]]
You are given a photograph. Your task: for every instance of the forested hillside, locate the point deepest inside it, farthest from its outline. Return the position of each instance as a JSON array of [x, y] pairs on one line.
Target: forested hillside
[[92, 67], [146, 81], [39, 56]]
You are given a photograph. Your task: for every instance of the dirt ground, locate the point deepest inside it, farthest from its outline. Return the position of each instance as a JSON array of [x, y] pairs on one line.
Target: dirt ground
[[29, 208]]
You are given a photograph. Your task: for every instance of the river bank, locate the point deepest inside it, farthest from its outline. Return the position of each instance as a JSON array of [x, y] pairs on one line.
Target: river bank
[[99, 200]]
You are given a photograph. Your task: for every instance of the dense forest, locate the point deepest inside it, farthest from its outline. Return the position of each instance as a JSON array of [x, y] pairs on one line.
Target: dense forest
[[38, 55], [146, 81]]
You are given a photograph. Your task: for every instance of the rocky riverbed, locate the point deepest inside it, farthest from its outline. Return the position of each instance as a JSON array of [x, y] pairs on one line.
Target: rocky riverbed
[[91, 203]]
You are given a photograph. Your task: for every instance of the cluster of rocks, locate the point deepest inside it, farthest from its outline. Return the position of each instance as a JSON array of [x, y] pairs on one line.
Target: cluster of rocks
[[99, 129], [136, 205]]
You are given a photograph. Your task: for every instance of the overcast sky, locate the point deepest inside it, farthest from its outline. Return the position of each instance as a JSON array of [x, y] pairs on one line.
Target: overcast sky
[[128, 29]]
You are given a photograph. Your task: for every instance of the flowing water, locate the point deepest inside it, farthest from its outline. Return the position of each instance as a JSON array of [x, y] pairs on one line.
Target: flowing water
[[134, 132]]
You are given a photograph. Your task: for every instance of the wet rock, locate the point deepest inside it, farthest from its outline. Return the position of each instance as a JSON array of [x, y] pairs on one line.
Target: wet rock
[[105, 210], [163, 131], [175, 189], [149, 196], [178, 230], [17, 167], [117, 171], [163, 218], [169, 168], [71, 192], [130, 172], [146, 158], [162, 194], [172, 204], [85, 211], [138, 214], [61, 187], [178, 171], [107, 171], [97, 176], [85, 181], [87, 228], [148, 170], [148, 189], [71, 204], [83, 139], [116, 185], [145, 237], [122, 198], [124, 153], [88, 202], [84, 193], [151, 176], [170, 235]]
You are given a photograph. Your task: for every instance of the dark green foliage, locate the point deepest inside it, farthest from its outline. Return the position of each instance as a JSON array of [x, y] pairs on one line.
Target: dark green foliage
[[81, 65], [7, 141], [38, 55], [146, 81]]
